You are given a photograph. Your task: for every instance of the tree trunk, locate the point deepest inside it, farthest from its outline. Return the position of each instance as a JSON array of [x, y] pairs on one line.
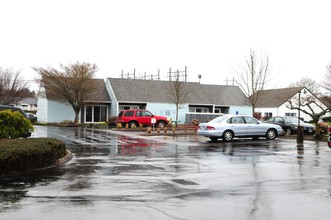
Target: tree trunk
[[177, 107], [317, 135], [76, 116]]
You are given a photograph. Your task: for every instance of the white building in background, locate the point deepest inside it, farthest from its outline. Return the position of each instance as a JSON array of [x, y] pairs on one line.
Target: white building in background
[[274, 102]]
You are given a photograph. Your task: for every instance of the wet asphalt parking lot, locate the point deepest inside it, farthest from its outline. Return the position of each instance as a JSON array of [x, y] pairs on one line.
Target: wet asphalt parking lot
[[122, 175]]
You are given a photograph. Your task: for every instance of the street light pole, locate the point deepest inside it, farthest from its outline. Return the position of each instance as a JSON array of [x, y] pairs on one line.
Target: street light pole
[[300, 128], [299, 109]]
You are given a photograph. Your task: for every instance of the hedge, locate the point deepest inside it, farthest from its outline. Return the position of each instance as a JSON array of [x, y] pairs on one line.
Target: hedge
[[14, 125], [19, 155]]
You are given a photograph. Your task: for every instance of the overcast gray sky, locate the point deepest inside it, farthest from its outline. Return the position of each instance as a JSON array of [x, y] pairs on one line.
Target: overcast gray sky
[[210, 37]]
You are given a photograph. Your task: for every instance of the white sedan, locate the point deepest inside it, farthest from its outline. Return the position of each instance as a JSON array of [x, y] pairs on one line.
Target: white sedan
[[229, 126]]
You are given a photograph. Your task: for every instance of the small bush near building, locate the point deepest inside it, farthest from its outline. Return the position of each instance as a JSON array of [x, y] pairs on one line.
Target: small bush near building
[[326, 119], [112, 120], [14, 125], [19, 155]]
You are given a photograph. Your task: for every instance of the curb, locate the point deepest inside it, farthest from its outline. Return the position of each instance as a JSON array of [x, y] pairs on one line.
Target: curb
[[64, 159], [169, 134], [60, 161]]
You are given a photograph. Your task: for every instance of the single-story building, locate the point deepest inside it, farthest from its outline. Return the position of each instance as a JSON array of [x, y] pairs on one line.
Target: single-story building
[[117, 94], [275, 102], [27, 104], [154, 96]]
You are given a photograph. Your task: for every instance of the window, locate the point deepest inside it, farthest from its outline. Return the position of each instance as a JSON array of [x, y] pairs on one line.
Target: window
[[268, 114], [96, 113], [129, 113], [237, 120], [224, 110], [147, 114], [128, 107], [291, 114], [250, 120], [204, 110], [88, 113], [167, 112]]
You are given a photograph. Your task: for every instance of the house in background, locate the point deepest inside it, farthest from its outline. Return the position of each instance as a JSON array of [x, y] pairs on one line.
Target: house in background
[[28, 104], [96, 109], [153, 95], [273, 102]]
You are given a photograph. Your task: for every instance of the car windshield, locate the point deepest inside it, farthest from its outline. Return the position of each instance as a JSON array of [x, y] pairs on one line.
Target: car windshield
[[219, 119]]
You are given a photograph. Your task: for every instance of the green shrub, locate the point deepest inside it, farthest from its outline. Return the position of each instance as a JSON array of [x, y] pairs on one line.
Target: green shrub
[[14, 125], [111, 120], [17, 155], [326, 119]]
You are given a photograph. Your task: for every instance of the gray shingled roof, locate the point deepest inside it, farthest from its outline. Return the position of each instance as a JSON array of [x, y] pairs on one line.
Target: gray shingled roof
[[273, 98], [100, 95], [136, 90]]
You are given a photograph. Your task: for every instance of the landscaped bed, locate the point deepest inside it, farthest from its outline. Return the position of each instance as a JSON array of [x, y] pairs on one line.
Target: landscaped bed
[[20, 155]]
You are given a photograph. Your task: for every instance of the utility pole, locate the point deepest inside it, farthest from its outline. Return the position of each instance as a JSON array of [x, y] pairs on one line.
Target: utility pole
[[180, 74]]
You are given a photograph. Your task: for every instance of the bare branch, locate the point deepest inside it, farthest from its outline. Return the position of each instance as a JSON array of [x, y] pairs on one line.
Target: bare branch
[[253, 76], [70, 84], [326, 84], [12, 86], [177, 93]]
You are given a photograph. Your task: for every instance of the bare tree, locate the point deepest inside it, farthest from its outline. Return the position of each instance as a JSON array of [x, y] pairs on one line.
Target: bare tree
[[253, 76], [177, 93], [12, 86], [326, 84], [310, 105], [72, 84], [308, 83]]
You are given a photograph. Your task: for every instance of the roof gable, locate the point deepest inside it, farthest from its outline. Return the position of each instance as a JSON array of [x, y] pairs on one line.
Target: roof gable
[[276, 97], [100, 95]]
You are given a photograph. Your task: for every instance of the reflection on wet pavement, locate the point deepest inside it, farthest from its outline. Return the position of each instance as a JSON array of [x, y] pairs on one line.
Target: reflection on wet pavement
[[119, 176]]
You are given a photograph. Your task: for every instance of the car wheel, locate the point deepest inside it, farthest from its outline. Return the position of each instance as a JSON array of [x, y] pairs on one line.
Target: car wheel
[[288, 131], [227, 135], [133, 124], [213, 139], [160, 124], [271, 134]]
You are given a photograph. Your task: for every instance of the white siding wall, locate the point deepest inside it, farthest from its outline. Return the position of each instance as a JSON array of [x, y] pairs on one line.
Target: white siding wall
[[42, 110], [58, 112], [114, 103]]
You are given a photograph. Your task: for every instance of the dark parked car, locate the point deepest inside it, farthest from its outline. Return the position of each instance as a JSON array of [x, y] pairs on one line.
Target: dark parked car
[[13, 108], [32, 117], [290, 124], [135, 117]]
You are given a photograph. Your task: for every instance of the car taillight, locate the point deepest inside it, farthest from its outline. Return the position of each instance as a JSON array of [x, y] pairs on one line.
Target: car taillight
[[210, 128]]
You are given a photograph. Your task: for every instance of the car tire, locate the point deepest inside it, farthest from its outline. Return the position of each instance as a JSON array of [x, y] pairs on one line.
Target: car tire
[[133, 124], [227, 135], [288, 131], [271, 134], [160, 124]]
